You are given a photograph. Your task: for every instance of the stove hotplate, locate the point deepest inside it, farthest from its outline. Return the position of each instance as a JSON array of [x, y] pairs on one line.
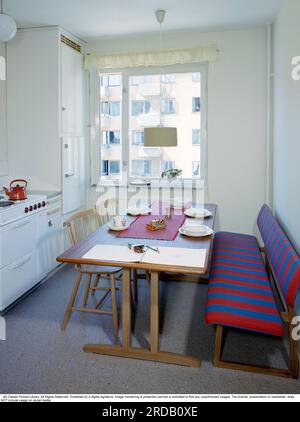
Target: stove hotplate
[[4, 204]]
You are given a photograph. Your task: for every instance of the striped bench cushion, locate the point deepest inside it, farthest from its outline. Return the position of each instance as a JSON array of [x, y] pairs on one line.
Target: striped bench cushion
[[281, 254], [239, 292]]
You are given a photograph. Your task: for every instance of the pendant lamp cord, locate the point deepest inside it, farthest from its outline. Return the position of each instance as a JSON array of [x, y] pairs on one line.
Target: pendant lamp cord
[[1, 7]]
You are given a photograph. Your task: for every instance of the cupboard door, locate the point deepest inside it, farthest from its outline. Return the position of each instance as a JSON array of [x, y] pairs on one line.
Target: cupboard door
[[71, 91]]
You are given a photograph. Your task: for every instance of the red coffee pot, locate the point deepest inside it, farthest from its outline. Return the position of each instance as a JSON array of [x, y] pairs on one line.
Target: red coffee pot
[[16, 192]]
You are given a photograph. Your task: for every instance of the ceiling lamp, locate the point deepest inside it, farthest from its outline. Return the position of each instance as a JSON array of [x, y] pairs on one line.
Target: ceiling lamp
[[8, 27], [160, 136]]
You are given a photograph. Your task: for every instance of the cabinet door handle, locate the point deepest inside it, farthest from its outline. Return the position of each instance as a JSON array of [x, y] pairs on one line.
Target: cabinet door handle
[[21, 264], [64, 108], [18, 226]]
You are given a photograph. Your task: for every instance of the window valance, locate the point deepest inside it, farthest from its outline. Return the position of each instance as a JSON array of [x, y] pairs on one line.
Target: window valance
[[164, 58]]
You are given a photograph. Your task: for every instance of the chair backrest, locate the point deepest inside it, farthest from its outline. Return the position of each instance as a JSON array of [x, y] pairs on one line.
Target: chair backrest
[[81, 224], [281, 255], [106, 208]]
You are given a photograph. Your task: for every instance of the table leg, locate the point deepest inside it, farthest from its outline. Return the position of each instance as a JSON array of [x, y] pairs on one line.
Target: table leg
[[154, 312], [126, 310]]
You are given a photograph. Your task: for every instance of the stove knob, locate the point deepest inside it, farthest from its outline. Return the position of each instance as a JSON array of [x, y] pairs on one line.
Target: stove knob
[[39, 205], [35, 207], [26, 210], [30, 208], [43, 204]]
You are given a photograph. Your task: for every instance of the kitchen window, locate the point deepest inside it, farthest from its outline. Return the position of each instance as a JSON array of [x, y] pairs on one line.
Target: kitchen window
[[149, 97]]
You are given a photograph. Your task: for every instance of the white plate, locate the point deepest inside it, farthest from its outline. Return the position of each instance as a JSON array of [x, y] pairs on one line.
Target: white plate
[[138, 211], [118, 228], [197, 213], [190, 234]]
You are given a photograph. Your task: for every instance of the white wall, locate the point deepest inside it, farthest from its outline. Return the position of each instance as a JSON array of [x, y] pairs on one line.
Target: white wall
[[237, 116], [286, 154], [3, 137]]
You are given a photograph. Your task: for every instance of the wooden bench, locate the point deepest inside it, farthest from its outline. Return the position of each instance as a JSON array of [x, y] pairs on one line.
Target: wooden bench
[[249, 292]]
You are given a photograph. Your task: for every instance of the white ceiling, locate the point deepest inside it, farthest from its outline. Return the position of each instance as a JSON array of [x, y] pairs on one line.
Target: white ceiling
[[92, 19]]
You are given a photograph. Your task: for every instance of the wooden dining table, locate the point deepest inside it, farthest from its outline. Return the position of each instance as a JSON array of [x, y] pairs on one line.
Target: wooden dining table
[[104, 236]]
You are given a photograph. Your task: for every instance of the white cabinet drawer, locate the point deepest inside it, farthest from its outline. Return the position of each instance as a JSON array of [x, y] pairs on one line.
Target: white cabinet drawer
[[17, 278], [17, 240]]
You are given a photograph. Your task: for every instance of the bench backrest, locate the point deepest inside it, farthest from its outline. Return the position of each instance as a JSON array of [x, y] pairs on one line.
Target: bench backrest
[[281, 255]]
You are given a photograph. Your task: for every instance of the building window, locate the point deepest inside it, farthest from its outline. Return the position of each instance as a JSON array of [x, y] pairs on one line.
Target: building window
[[140, 107], [110, 80], [196, 77], [110, 168], [196, 104], [137, 137], [168, 79], [104, 168], [196, 168], [196, 136], [114, 167], [168, 106], [110, 137], [110, 108], [141, 168], [167, 165]]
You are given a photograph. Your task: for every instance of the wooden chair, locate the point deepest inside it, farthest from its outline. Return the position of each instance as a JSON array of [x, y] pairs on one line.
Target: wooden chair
[[80, 226], [105, 210]]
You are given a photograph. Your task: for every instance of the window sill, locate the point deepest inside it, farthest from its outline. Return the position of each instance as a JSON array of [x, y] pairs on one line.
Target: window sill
[[154, 183]]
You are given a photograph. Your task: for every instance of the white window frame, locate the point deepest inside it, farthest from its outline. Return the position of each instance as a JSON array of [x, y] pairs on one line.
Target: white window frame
[[95, 151]]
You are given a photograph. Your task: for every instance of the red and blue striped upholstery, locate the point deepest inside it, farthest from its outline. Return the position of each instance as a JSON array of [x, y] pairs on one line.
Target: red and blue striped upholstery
[[239, 292], [281, 254]]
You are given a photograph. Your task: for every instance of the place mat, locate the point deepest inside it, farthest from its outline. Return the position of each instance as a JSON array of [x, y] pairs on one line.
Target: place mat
[[138, 229]]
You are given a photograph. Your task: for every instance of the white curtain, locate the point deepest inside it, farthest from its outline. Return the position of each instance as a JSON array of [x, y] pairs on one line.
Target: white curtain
[[165, 58]]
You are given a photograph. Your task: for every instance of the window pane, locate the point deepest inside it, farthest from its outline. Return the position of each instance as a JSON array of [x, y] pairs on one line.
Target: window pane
[[114, 167], [141, 168], [168, 106], [196, 77], [164, 99], [137, 137], [196, 104], [110, 123], [196, 136], [196, 168]]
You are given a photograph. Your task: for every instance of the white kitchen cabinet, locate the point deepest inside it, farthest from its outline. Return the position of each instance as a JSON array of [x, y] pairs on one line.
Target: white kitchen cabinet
[[44, 108]]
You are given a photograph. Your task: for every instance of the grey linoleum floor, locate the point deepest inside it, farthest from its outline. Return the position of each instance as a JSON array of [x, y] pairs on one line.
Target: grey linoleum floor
[[38, 358]]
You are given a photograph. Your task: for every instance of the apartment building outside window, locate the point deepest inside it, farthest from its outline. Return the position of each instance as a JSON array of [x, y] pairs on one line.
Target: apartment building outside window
[[131, 102], [196, 169], [110, 137], [140, 107], [110, 168], [110, 80], [137, 137], [110, 108], [196, 104], [196, 134], [168, 106], [141, 168]]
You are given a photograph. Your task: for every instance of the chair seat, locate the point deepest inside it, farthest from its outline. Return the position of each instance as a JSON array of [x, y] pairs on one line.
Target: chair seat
[[239, 292], [96, 269]]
